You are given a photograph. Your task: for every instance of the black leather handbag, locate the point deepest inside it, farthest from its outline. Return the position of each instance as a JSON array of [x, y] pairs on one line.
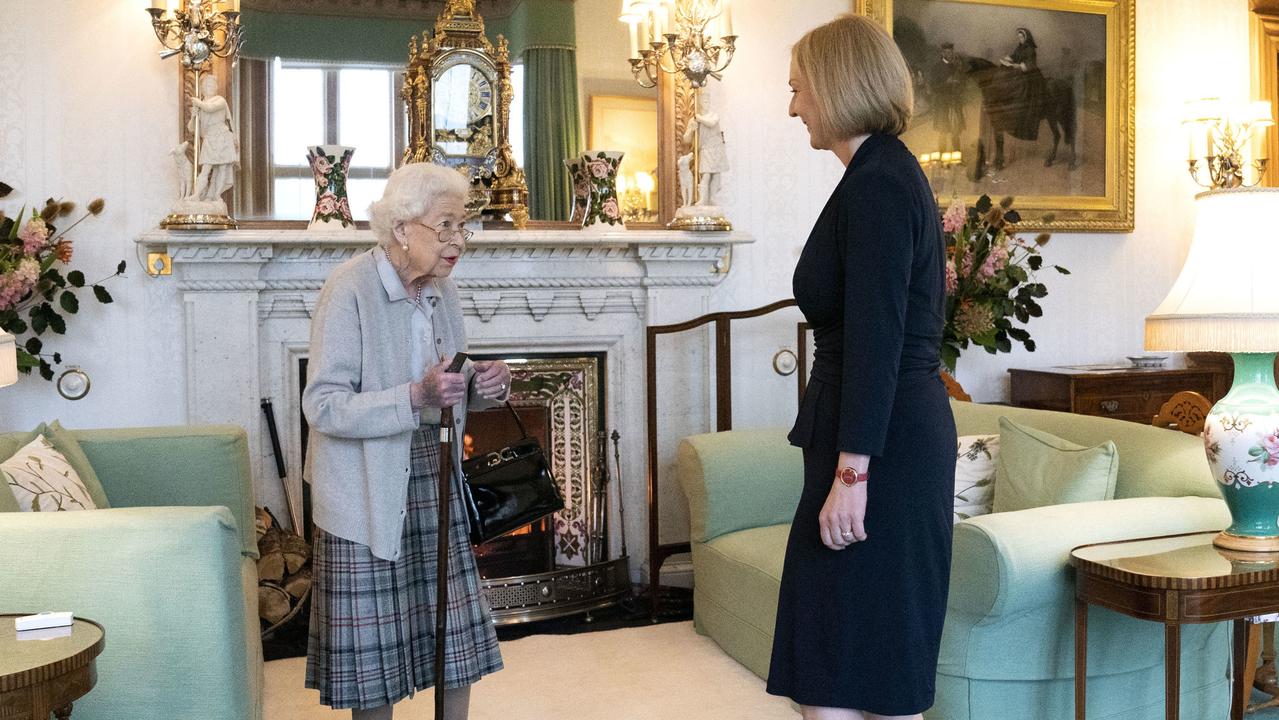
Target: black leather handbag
[[509, 488]]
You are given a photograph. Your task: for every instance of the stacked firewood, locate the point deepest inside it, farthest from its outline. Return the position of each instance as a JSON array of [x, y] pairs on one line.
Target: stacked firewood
[[284, 570]]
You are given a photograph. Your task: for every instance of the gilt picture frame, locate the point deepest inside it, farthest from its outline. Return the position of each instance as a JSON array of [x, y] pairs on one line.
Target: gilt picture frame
[[1037, 97]]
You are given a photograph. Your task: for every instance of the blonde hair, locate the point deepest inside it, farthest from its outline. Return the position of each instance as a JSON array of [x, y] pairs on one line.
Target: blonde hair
[[410, 193], [858, 77]]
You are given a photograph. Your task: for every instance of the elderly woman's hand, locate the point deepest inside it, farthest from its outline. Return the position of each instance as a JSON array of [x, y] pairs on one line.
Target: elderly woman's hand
[[492, 378], [439, 389]]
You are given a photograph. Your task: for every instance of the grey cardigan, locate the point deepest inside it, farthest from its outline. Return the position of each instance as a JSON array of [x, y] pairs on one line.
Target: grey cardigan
[[357, 402]]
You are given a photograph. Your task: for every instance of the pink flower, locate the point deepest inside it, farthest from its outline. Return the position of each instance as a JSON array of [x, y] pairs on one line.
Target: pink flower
[[33, 236], [610, 208], [326, 205], [599, 168], [1270, 444], [997, 260], [953, 220], [320, 163], [966, 264], [952, 278], [344, 207]]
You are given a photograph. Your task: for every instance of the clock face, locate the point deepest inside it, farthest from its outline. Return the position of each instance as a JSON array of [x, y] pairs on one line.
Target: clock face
[[481, 96], [463, 112]]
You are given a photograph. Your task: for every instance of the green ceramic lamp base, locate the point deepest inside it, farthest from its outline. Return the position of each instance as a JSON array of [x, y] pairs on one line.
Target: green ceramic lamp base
[[1241, 439]]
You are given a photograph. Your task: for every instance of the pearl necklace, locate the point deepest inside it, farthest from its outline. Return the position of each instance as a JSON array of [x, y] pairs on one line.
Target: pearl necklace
[[418, 299]]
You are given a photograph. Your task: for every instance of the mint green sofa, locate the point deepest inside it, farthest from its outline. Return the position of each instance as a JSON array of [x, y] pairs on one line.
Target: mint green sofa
[[1008, 646], [169, 571]]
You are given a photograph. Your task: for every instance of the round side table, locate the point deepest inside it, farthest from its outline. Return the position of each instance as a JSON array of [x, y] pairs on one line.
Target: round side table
[[39, 677]]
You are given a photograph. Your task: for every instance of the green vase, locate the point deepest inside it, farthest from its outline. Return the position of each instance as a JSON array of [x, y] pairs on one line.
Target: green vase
[[1241, 438]]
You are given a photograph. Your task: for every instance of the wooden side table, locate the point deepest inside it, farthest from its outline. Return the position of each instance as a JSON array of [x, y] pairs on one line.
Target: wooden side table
[[1175, 580], [1109, 391], [39, 677]]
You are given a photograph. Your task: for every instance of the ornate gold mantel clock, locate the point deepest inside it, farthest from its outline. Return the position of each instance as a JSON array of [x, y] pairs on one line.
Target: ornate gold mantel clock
[[458, 93]]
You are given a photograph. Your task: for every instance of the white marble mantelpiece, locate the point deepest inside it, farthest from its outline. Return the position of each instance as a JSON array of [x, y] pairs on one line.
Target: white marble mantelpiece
[[247, 297]]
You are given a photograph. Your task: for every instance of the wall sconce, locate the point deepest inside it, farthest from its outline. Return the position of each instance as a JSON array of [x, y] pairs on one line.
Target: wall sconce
[[8, 359], [1227, 144], [946, 163]]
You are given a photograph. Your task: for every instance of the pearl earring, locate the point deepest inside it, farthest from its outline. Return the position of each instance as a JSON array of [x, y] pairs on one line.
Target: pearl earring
[[405, 247]]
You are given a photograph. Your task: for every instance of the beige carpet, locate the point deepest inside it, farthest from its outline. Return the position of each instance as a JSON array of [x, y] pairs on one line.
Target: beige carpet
[[648, 673]]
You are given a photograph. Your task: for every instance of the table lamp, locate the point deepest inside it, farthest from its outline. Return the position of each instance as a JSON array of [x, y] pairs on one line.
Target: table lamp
[[8, 359], [1226, 299]]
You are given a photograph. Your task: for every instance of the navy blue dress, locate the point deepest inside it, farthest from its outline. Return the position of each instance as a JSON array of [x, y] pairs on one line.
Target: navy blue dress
[[860, 628]]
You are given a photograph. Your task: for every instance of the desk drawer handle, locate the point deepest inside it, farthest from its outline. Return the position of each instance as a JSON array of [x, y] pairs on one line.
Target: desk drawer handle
[[1110, 406]]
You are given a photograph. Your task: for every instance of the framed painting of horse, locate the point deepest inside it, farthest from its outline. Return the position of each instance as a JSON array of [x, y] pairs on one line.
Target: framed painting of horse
[[1028, 98]]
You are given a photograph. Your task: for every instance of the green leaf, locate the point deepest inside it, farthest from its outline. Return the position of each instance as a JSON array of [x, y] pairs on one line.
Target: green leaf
[[1061, 270], [46, 371], [1017, 273], [57, 358], [69, 302], [983, 204], [101, 294], [1022, 315], [1035, 262], [1030, 345], [14, 325], [1034, 309], [1002, 343], [17, 225], [26, 361], [949, 355], [76, 278], [39, 321], [1038, 290], [119, 269], [1018, 334], [33, 345], [55, 277], [56, 323]]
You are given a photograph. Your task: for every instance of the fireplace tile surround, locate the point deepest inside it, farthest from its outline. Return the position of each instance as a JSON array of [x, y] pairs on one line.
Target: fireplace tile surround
[[246, 297]]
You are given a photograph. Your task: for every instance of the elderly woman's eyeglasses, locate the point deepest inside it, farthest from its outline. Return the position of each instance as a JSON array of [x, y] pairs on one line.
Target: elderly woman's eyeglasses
[[446, 234]]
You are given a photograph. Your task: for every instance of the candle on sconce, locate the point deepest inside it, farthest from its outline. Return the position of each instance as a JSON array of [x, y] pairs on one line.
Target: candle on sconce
[[634, 39], [660, 21], [726, 18]]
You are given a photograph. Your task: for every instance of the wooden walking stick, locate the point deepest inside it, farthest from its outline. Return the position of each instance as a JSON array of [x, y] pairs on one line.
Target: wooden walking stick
[[444, 496]]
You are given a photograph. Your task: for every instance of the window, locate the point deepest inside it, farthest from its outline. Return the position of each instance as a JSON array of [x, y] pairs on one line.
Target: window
[[319, 104]]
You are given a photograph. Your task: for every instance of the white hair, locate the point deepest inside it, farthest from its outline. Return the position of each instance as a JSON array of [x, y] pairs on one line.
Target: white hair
[[410, 192]]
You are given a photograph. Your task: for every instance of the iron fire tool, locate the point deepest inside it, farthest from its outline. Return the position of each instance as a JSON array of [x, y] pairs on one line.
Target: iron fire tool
[[621, 506], [444, 497], [598, 545], [269, 410]]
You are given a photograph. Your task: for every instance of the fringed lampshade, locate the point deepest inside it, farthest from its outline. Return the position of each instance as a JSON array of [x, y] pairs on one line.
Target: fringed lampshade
[[1227, 300]]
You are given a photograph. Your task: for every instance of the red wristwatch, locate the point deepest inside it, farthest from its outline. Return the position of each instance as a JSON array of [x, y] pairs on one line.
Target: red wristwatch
[[850, 477]]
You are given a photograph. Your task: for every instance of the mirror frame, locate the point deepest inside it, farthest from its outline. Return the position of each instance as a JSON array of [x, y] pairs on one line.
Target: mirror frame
[[674, 110]]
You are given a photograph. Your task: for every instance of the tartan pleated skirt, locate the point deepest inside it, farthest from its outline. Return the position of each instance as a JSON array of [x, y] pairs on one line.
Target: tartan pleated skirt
[[372, 634]]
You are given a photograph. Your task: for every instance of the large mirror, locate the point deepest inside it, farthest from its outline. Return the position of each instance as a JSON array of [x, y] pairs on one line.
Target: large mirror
[[332, 71]]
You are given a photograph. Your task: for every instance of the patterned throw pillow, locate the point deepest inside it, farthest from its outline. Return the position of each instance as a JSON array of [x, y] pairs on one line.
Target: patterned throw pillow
[[42, 480], [975, 475]]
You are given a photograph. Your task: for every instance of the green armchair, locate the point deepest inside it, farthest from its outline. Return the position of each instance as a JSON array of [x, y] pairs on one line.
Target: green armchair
[[1008, 644], [169, 571]]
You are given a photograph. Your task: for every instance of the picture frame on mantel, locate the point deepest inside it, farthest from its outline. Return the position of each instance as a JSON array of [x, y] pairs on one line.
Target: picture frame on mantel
[[1018, 73]]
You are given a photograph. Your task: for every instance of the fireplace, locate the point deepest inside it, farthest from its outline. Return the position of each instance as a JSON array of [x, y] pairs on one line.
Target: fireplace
[[235, 318], [560, 565]]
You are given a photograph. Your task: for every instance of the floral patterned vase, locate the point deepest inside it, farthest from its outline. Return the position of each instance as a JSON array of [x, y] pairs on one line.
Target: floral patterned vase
[[601, 176], [330, 164], [577, 174], [1241, 437]]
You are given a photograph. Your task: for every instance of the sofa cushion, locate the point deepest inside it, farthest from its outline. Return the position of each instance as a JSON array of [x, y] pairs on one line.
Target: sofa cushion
[[975, 462], [41, 480], [66, 444], [1156, 461], [1036, 469]]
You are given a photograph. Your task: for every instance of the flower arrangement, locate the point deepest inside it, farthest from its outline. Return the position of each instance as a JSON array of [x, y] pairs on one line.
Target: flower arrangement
[[989, 277], [31, 283]]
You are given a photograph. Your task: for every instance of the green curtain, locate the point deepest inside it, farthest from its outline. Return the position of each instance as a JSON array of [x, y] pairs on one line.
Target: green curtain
[[551, 128]]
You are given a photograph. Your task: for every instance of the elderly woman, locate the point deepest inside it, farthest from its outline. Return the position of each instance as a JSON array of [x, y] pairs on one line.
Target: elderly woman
[[863, 589], [386, 326]]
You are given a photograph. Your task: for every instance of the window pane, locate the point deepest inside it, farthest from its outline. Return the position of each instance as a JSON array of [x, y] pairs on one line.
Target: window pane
[[294, 198], [517, 113], [364, 116], [297, 114], [361, 192]]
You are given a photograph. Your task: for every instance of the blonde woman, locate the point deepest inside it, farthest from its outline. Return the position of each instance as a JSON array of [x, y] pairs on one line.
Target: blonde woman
[[386, 325], [863, 590]]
